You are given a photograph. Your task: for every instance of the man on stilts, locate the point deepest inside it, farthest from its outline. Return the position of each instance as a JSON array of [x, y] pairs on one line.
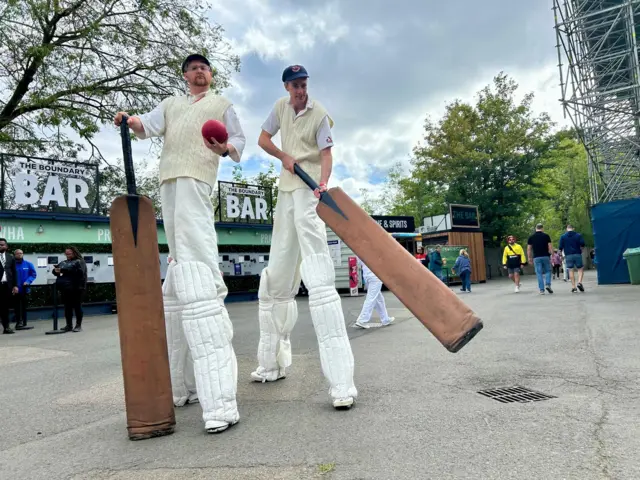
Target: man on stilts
[[199, 331], [299, 245]]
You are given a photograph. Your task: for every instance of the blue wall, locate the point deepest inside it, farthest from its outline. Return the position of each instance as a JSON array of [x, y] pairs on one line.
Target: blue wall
[[616, 227]]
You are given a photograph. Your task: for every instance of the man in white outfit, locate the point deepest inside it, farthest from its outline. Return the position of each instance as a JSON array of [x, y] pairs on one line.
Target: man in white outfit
[[373, 300], [299, 245], [199, 332]]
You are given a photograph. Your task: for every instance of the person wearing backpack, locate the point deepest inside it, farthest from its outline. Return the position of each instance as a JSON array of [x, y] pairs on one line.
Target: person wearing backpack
[[513, 259]]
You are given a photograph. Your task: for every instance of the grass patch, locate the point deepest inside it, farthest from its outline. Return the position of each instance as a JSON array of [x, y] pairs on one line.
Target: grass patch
[[325, 468]]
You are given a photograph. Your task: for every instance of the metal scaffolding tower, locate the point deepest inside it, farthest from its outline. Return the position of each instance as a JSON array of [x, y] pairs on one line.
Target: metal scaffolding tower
[[600, 84]]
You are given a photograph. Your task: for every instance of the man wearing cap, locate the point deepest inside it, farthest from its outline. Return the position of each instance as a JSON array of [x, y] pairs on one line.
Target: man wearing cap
[[199, 332], [299, 245]]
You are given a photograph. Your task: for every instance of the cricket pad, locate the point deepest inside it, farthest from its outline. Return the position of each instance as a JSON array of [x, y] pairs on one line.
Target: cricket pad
[[143, 342], [440, 310]]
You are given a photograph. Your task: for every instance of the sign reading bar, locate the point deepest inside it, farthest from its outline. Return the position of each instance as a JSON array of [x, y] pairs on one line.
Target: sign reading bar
[[239, 203], [464, 216], [48, 185], [396, 224]]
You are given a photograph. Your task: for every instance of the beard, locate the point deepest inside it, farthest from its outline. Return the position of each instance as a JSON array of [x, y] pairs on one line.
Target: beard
[[200, 81]]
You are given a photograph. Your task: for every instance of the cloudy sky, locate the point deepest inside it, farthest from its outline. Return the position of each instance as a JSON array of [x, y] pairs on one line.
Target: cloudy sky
[[380, 67]]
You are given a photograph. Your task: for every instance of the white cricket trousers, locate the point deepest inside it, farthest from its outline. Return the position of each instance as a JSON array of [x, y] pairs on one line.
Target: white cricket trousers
[[373, 300], [299, 250], [199, 332]]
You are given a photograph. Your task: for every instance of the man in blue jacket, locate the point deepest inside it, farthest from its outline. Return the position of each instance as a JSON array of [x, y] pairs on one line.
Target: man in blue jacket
[[571, 244], [25, 276], [435, 263]]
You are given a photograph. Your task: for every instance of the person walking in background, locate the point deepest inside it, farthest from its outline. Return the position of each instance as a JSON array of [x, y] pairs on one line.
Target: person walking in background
[[565, 271], [422, 257], [572, 243], [463, 268], [7, 285], [435, 262], [25, 276], [513, 259], [539, 250], [556, 263], [374, 300], [72, 283]]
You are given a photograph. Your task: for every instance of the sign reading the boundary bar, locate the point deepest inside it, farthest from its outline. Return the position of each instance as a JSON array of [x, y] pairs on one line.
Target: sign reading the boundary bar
[[49, 185], [464, 216], [240, 203]]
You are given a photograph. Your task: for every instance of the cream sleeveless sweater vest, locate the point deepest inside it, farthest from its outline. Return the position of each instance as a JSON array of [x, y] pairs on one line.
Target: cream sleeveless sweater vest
[[184, 153], [299, 140]]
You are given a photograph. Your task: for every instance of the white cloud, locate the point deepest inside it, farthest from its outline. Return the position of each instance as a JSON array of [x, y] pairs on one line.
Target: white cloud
[[282, 35], [380, 68]]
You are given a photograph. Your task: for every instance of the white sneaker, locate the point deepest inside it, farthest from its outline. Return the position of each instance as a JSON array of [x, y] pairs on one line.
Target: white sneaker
[[343, 403], [193, 398], [391, 320], [180, 401], [261, 375], [517, 290], [216, 426], [362, 324]]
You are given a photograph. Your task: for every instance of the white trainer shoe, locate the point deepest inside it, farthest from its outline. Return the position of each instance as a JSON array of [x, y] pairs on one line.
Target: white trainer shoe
[[217, 426], [517, 290], [193, 398], [343, 403], [391, 320], [261, 375]]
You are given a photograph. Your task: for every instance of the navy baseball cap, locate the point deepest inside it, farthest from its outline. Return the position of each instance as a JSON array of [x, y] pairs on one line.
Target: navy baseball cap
[[294, 72], [192, 58]]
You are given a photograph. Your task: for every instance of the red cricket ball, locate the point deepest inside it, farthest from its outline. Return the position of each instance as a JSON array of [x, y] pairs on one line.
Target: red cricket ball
[[215, 129]]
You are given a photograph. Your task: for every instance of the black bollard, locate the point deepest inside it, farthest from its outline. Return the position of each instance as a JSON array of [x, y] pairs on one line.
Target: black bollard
[[55, 313]]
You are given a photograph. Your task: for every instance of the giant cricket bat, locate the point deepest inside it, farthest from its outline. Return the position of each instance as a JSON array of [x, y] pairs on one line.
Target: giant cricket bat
[[143, 343], [447, 317]]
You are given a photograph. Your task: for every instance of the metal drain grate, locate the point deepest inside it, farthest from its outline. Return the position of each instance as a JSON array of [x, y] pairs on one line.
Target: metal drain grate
[[515, 394]]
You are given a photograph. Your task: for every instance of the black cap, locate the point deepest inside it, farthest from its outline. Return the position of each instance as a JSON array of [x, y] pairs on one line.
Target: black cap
[[194, 57], [294, 72]]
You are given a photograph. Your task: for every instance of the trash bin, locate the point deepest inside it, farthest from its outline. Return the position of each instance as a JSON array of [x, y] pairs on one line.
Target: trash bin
[[632, 256]]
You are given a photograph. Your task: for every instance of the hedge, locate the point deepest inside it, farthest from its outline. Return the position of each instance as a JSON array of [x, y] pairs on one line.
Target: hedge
[[31, 248], [42, 295]]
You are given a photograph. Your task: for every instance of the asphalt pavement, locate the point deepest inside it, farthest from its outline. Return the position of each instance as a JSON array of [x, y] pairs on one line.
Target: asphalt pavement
[[418, 413]]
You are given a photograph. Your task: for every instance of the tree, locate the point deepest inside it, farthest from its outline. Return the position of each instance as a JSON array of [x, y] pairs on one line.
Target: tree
[[416, 197], [236, 174], [268, 180], [66, 66], [113, 184], [488, 154], [403, 195], [368, 204], [565, 188]]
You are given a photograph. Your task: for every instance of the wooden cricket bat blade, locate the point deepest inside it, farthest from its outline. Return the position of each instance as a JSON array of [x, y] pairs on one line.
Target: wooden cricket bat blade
[[143, 340], [440, 310]]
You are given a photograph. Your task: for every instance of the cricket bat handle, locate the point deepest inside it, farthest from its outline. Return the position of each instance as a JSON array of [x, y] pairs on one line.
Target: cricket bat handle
[[325, 197], [304, 176], [128, 159]]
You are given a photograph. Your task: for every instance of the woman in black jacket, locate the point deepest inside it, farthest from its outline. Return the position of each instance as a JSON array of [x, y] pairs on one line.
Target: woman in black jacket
[[72, 282]]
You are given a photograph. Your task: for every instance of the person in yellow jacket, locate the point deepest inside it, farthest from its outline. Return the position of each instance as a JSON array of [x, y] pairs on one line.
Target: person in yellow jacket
[[513, 259]]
